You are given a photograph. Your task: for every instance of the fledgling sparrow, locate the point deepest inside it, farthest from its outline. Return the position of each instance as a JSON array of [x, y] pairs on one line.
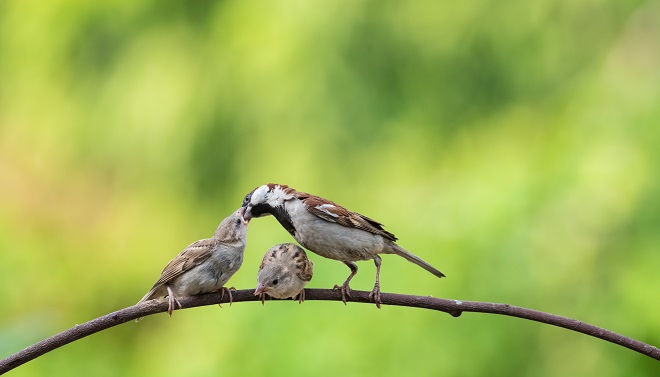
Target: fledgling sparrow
[[204, 266], [284, 272], [329, 230]]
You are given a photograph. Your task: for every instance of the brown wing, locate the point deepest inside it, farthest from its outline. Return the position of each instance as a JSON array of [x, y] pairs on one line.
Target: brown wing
[[335, 213], [191, 256], [306, 271]]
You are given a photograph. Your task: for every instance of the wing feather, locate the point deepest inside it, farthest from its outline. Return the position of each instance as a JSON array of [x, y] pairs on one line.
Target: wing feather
[[192, 256], [334, 213], [306, 272]]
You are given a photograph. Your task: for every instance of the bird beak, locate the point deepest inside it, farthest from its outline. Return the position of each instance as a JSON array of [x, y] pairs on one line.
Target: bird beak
[[247, 214], [243, 217], [260, 289]]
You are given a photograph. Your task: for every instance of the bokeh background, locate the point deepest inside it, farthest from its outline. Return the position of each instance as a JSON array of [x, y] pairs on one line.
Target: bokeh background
[[514, 145]]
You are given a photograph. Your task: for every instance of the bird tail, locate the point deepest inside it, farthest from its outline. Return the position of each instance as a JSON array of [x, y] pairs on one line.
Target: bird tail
[[416, 260], [150, 295]]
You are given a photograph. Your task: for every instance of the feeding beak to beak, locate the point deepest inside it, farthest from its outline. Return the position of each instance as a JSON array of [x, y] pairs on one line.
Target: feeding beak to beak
[[243, 217]]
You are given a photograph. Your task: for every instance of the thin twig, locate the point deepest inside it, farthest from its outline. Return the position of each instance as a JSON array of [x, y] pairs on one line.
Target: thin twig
[[453, 307]]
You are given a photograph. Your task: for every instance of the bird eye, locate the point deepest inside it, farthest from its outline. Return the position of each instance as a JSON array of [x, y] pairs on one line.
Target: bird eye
[[275, 282], [247, 198]]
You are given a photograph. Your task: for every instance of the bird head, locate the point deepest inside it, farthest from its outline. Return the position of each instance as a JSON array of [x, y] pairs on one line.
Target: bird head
[[265, 199], [233, 227], [273, 278]]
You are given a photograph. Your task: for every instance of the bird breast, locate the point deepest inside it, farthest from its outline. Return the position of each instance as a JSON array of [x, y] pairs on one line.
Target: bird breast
[[210, 275], [290, 290]]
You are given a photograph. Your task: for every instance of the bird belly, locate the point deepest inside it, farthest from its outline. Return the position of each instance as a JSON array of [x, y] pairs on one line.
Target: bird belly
[[336, 241], [208, 277]]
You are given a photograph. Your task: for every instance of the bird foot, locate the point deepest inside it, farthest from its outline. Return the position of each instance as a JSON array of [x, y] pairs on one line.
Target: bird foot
[[228, 290], [171, 300], [345, 291], [301, 296], [375, 295]]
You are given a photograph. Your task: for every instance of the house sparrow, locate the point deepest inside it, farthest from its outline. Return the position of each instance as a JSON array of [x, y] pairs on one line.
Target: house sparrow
[[283, 272], [329, 230], [206, 265]]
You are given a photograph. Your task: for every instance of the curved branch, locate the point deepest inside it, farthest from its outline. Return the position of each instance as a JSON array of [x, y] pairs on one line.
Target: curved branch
[[453, 307]]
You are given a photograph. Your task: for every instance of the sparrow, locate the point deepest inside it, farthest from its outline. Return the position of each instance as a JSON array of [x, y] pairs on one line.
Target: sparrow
[[329, 230], [204, 266], [284, 272]]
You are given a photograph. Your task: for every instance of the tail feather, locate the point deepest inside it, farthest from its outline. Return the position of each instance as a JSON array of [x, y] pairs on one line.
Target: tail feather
[[416, 260], [150, 295]]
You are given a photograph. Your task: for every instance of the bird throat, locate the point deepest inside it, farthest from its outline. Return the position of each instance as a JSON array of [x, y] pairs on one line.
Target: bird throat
[[284, 219]]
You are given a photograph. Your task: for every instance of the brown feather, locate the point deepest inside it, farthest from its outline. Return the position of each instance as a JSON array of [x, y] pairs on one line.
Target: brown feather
[[342, 216], [191, 256], [305, 272]]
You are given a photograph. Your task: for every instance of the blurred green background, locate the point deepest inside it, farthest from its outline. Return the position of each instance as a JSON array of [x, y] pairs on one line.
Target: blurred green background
[[513, 145]]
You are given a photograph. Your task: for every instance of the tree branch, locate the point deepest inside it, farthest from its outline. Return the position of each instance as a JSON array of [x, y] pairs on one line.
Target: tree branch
[[453, 307]]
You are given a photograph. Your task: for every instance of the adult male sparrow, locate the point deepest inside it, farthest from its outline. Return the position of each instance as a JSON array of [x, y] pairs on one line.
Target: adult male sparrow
[[329, 230], [204, 266], [284, 272]]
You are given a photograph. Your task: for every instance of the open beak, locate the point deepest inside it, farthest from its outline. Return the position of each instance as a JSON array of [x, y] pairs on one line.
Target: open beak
[[246, 219]]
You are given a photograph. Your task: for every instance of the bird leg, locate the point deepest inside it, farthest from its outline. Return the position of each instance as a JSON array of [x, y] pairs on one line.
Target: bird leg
[[172, 299], [345, 289], [301, 296], [375, 293], [228, 290]]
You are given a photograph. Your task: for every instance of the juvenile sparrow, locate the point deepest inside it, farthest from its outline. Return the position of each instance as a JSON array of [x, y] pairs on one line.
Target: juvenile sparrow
[[283, 272], [329, 230], [204, 266]]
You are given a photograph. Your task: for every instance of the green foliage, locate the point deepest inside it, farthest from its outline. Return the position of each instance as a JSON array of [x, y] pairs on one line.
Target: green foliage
[[515, 146]]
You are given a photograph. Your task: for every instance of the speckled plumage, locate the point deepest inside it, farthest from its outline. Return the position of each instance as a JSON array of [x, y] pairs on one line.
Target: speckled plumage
[[284, 271]]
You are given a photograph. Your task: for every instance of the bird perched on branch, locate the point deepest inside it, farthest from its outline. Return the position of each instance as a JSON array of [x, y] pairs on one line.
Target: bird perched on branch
[[284, 272], [204, 266], [329, 230]]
